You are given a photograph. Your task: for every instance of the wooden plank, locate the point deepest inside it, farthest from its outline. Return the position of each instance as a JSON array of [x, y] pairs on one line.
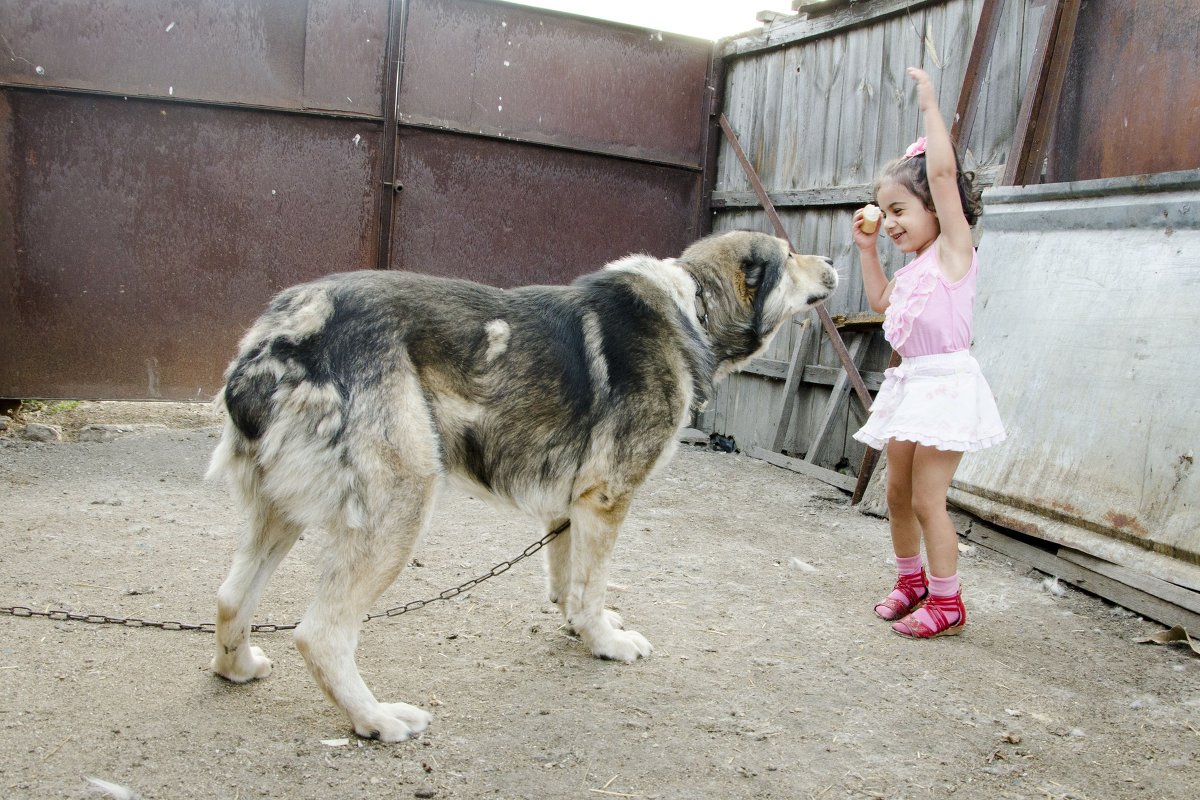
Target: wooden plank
[[837, 398], [1039, 71], [1043, 126], [772, 368], [827, 376], [805, 28], [843, 482], [1115, 591], [1172, 593], [860, 114], [858, 320], [823, 196], [805, 345], [977, 66], [798, 198], [814, 374]]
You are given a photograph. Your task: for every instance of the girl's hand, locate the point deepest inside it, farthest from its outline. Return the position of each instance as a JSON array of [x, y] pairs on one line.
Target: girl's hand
[[864, 241], [926, 94]]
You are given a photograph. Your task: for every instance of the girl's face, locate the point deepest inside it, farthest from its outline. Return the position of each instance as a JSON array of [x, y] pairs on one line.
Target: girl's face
[[911, 225]]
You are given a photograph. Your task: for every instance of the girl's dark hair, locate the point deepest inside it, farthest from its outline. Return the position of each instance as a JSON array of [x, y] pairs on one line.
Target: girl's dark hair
[[910, 173]]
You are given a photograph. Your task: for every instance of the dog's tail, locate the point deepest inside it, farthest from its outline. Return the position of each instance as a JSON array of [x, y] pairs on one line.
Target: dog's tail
[[233, 458]]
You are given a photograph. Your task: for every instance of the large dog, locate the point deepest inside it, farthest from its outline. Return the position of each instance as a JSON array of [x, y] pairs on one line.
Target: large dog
[[354, 396]]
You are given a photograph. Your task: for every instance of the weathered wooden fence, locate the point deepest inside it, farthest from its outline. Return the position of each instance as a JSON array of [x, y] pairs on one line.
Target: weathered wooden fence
[[820, 105]]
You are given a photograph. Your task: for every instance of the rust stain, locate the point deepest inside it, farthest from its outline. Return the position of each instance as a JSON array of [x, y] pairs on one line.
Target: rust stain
[[1063, 506], [1124, 522]]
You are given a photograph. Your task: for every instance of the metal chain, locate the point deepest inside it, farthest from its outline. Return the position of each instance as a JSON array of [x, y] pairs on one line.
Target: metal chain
[[211, 627]]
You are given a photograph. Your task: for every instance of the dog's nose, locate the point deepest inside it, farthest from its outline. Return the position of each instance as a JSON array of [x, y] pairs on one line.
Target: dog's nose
[[830, 278]]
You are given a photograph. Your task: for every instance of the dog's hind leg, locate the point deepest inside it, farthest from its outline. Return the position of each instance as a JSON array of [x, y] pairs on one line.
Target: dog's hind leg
[[363, 562], [265, 542], [596, 517]]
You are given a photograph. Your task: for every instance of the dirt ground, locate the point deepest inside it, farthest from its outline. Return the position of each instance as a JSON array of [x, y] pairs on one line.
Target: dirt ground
[[770, 676]]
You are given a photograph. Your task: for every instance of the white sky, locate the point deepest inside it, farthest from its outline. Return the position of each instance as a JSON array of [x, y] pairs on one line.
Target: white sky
[[708, 19]]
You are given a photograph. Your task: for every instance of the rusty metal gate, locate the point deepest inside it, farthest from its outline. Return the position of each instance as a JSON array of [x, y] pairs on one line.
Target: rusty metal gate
[[165, 168]]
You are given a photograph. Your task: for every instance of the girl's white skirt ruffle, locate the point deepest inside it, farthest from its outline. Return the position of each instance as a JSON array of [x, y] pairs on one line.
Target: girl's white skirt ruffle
[[942, 401]]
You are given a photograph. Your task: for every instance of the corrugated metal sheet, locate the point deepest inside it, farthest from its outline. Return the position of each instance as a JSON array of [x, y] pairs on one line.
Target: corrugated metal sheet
[[139, 238], [510, 214], [246, 52], [1084, 328], [344, 46], [323, 54], [520, 73]]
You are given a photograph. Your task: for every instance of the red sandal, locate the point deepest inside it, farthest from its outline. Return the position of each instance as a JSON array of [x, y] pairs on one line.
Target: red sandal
[[915, 590], [912, 627]]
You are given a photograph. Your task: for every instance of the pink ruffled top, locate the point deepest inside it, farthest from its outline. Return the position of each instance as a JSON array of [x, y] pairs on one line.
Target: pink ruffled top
[[928, 314]]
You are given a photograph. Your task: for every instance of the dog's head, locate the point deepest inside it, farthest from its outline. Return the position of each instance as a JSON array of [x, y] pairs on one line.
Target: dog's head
[[749, 285]]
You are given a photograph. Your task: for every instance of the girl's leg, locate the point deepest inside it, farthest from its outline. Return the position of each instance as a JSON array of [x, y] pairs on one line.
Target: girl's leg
[[906, 530], [932, 471], [906, 534]]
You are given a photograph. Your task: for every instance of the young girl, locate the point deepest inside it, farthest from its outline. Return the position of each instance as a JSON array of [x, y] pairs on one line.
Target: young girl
[[936, 405]]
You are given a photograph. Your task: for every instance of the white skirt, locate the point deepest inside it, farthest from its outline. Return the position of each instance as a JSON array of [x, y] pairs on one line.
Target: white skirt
[[942, 401]]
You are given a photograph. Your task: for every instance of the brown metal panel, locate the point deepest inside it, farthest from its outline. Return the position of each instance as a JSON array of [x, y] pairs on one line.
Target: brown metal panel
[[1131, 99], [145, 236], [344, 55], [526, 74], [251, 51], [511, 214]]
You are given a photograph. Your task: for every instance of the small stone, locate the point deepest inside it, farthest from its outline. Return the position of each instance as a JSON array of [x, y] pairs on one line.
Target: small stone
[[39, 432], [425, 791], [1012, 738]]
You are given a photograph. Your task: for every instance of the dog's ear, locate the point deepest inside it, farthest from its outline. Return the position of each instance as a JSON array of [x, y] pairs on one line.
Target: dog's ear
[[762, 259]]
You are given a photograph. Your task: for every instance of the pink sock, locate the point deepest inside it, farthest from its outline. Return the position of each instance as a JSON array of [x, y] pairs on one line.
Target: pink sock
[[906, 566], [943, 587]]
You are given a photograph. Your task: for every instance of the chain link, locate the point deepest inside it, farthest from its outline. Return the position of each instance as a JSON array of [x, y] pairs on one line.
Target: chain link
[[211, 627]]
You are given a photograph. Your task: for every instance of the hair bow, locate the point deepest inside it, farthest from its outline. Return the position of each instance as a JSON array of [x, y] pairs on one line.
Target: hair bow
[[915, 149]]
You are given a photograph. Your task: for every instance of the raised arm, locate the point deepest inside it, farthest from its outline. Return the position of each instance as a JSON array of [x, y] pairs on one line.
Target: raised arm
[[955, 246]]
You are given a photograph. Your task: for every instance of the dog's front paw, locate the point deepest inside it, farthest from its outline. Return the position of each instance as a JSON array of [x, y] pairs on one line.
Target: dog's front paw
[[242, 665], [393, 722], [617, 645], [611, 618]]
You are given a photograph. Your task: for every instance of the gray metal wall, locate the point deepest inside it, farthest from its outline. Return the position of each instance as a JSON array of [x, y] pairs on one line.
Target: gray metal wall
[[1085, 326], [166, 167], [820, 105]]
